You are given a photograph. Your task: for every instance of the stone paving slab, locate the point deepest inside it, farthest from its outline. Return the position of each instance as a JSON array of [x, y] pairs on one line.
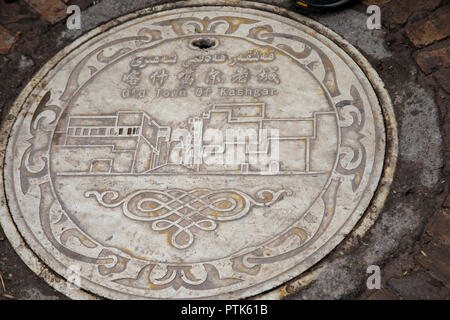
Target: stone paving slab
[[435, 258], [6, 40], [439, 226], [419, 286], [12, 12], [436, 27], [51, 10]]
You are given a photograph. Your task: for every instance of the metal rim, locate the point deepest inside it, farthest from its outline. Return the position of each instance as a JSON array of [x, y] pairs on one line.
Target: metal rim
[[365, 222]]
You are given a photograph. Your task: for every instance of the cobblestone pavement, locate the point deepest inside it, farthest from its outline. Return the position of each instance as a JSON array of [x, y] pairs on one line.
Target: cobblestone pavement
[[422, 27], [411, 240]]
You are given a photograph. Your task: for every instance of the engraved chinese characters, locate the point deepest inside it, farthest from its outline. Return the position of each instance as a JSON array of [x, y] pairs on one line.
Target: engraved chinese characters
[[165, 170], [203, 74]]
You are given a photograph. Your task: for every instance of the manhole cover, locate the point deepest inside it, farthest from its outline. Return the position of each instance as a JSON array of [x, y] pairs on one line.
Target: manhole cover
[[206, 152]]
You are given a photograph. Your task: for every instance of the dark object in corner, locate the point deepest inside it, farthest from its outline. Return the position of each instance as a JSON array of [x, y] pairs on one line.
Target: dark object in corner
[[321, 4]]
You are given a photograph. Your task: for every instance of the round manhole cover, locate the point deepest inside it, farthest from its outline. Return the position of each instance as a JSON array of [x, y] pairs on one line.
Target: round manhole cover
[[196, 152]]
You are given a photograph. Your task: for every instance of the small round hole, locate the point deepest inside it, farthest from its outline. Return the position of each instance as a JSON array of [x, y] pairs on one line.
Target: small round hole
[[204, 43]]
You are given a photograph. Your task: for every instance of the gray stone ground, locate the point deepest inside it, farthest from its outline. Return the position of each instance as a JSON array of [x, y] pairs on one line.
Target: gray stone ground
[[410, 204]]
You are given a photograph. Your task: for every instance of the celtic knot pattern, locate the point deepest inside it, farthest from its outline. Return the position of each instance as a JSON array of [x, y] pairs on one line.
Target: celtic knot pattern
[[178, 211]]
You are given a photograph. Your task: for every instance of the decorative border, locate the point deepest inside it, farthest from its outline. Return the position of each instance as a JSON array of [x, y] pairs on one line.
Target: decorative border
[[392, 145]]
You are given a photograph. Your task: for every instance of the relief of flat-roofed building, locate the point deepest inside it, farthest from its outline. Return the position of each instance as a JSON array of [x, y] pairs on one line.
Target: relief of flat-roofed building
[[127, 142], [279, 145], [226, 139]]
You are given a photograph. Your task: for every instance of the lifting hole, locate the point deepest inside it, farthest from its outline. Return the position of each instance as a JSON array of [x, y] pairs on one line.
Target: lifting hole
[[204, 43]]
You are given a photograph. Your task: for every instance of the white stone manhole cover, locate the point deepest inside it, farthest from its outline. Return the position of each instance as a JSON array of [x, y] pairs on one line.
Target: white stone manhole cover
[[207, 152]]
